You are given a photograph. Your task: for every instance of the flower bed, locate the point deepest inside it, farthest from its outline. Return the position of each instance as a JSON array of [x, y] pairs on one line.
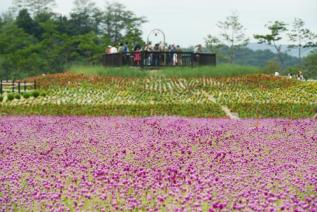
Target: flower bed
[[157, 163], [249, 96]]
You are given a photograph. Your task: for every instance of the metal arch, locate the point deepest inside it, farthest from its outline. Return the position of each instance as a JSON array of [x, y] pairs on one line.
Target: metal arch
[[157, 30]]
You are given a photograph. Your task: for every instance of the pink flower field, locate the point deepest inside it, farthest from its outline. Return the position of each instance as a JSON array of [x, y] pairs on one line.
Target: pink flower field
[[150, 164]]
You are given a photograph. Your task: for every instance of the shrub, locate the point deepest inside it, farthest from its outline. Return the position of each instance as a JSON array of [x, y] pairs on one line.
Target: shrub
[[17, 96], [1, 98], [35, 94], [10, 97], [26, 95], [43, 94], [271, 67]]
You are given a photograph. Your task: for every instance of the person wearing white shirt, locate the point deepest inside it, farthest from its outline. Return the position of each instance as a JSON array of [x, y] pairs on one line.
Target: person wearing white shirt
[[113, 50]]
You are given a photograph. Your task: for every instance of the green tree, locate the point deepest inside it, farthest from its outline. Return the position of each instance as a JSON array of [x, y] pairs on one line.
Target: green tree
[[276, 29], [133, 35], [119, 22], [11, 49], [41, 41], [272, 66], [214, 45], [310, 65], [85, 17], [25, 22], [35, 6], [301, 37], [233, 35]]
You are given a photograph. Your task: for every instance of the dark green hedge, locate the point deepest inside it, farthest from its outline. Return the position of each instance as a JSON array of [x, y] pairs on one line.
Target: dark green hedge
[[285, 110], [188, 110]]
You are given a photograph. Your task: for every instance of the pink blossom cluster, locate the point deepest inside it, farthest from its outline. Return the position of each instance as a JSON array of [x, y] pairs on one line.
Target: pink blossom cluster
[[169, 163]]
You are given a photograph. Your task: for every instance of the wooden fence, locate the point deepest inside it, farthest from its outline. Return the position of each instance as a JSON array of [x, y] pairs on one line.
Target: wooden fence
[[17, 86], [158, 59]]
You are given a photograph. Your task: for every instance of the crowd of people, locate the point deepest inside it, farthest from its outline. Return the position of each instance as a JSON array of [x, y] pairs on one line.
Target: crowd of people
[[153, 55], [298, 76]]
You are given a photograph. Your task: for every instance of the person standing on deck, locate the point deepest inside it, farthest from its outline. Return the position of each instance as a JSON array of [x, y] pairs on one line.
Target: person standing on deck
[[113, 50], [148, 53], [179, 55], [156, 55], [174, 55], [126, 54], [137, 55], [121, 48], [197, 51]]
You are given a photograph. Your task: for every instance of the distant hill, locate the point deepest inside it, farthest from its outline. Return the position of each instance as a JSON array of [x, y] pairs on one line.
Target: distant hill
[[292, 52], [255, 55]]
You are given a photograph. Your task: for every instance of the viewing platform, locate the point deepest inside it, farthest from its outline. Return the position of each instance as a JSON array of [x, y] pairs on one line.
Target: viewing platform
[[159, 59]]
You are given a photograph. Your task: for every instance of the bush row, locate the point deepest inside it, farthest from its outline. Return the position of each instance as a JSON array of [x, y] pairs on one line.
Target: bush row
[[285, 110], [293, 111], [187, 110], [12, 96]]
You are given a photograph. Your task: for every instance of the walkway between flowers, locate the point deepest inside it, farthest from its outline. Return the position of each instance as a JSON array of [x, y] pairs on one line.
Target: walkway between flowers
[[231, 115]]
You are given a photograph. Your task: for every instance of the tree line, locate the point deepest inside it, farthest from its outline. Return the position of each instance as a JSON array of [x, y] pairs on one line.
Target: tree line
[[34, 39], [230, 45]]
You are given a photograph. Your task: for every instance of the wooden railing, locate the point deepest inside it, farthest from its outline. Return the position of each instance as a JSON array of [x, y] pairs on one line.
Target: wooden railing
[[17, 86], [157, 59]]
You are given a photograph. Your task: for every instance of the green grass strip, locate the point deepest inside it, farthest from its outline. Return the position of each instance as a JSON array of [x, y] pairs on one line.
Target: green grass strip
[[286, 110], [187, 110], [223, 70]]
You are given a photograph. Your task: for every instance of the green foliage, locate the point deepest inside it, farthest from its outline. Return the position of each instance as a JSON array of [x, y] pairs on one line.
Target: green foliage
[[10, 97], [25, 22], [118, 20], [258, 58], [301, 37], [310, 66], [292, 70], [26, 95], [1, 98], [286, 110], [38, 41], [254, 96], [214, 45], [233, 35], [35, 94], [110, 71], [43, 94], [223, 70], [17, 96], [271, 67], [188, 72], [276, 30], [201, 110]]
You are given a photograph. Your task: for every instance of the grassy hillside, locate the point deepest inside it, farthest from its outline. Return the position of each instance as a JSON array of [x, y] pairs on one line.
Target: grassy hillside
[[225, 70]]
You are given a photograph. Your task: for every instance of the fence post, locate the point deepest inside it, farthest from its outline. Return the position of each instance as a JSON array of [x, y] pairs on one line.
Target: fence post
[[1, 87], [24, 86], [19, 87], [13, 82], [34, 85], [192, 60]]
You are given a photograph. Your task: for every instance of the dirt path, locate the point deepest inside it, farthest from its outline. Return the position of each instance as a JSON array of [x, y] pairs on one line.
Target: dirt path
[[225, 109]]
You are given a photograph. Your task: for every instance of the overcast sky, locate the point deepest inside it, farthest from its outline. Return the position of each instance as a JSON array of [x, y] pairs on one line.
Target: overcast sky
[[187, 22]]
